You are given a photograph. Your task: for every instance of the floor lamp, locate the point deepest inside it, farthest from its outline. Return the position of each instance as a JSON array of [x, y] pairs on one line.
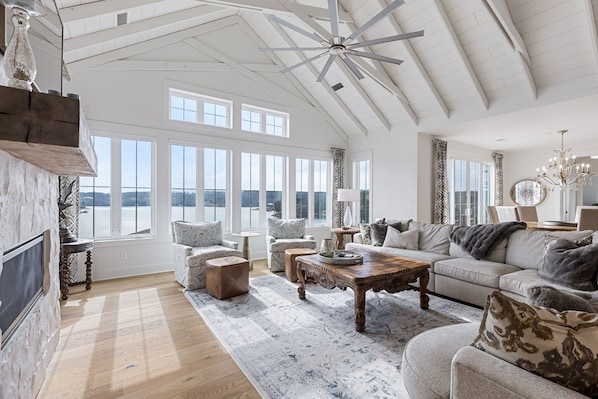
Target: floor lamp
[[348, 195]]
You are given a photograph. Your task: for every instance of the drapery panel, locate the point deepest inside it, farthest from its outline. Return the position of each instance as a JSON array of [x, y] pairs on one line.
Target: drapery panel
[[498, 178], [441, 206], [338, 181]]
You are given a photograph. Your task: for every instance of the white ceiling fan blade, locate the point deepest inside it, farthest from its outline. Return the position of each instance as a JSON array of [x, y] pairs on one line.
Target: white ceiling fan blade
[[304, 62], [333, 8], [326, 67], [297, 29], [388, 39], [375, 19], [375, 57], [351, 65], [291, 48]]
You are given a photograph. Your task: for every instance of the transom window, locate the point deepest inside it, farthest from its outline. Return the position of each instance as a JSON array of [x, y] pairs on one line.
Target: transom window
[[196, 108], [265, 121]]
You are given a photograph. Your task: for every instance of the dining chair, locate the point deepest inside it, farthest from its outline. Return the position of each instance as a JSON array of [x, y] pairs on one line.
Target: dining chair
[[579, 208], [492, 215], [507, 214], [588, 218], [527, 213]]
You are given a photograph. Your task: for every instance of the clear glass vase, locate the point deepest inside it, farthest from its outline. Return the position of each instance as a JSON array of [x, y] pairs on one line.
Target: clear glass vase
[[19, 62]]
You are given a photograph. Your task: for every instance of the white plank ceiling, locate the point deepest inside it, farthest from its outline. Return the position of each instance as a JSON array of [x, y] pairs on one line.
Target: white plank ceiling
[[477, 63]]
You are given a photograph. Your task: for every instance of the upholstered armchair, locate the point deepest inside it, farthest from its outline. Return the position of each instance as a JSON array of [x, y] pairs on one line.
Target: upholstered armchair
[[285, 234], [194, 244]]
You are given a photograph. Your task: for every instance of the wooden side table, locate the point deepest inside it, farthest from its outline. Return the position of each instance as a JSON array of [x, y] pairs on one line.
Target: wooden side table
[[66, 249], [340, 233]]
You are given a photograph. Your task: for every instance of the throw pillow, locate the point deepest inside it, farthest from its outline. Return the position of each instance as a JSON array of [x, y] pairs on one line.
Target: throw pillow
[[406, 240], [366, 233], [550, 297], [198, 234], [559, 346], [379, 231], [433, 237], [286, 228], [566, 263]]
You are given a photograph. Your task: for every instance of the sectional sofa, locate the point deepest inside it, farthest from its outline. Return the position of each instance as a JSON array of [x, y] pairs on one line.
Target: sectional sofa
[[511, 266]]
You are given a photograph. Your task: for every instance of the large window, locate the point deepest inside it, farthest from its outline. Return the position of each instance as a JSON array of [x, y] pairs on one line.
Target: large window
[[250, 190], [362, 178], [193, 167], [265, 121], [195, 108], [469, 191], [122, 208], [312, 184]]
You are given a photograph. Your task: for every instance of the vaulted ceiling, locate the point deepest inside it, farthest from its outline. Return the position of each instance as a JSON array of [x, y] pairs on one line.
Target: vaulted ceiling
[[475, 75]]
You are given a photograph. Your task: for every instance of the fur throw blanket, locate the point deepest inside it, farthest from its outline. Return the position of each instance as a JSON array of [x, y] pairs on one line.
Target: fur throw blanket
[[478, 240]]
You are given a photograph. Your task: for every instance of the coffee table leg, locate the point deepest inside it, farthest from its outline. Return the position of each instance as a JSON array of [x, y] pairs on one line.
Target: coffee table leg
[[424, 299], [359, 310], [301, 277]]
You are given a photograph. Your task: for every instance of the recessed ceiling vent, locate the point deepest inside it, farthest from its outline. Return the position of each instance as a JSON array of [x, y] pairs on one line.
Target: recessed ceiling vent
[[337, 86], [122, 18]]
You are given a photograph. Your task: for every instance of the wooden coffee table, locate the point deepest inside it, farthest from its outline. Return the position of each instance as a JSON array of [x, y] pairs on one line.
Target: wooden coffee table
[[377, 272]]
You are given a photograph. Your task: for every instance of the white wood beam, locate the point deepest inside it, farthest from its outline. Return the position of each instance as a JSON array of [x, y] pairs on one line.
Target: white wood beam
[[417, 62], [592, 28], [315, 74], [324, 33], [316, 104], [501, 11], [519, 56], [152, 44], [137, 27], [137, 65], [74, 13], [461, 52], [204, 48]]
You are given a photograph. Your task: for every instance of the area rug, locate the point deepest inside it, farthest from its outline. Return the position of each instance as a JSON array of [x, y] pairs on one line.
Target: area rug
[[292, 348]]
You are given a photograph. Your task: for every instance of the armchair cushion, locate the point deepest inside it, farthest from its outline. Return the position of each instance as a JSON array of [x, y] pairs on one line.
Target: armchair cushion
[[286, 228], [198, 234]]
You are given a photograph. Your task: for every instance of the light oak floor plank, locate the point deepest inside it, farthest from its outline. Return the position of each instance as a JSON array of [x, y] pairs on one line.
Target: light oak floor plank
[[139, 337]]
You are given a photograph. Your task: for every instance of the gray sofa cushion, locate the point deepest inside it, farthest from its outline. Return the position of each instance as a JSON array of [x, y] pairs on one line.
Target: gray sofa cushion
[[525, 248], [480, 272], [429, 257], [433, 237]]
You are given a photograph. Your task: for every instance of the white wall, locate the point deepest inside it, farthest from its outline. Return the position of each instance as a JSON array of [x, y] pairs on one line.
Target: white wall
[[134, 104]]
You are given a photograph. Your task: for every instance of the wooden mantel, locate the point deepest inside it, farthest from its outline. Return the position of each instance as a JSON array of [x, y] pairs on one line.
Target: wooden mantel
[[46, 130]]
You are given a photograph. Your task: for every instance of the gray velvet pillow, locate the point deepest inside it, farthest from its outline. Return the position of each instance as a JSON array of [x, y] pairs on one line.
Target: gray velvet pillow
[[379, 231], [550, 297], [566, 263]]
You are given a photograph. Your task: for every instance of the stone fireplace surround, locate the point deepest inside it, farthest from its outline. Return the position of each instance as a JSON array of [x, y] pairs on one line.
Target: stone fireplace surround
[[28, 207]]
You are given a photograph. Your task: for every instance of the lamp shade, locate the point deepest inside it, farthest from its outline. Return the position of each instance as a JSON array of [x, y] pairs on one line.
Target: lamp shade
[[348, 194]]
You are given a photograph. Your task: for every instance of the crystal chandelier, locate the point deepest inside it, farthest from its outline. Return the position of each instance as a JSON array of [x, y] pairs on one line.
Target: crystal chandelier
[[562, 170]]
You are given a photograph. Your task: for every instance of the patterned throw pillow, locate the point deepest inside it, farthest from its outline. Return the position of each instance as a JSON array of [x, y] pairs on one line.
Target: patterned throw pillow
[[406, 240], [559, 346], [198, 234], [366, 233], [286, 228]]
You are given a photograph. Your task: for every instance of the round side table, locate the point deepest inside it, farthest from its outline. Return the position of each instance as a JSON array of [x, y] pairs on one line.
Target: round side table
[[246, 235], [340, 233]]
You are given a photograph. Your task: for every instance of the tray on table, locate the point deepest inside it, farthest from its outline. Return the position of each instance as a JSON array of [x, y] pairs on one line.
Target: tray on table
[[342, 258]]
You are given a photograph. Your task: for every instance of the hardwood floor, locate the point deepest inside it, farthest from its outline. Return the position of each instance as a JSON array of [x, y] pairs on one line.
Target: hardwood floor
[[139, 337]]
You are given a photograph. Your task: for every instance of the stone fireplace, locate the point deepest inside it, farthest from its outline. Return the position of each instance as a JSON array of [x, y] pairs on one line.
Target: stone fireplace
[[28, 208]]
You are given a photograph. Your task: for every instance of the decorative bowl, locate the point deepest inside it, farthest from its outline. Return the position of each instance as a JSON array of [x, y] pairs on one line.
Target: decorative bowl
[[343, 258]]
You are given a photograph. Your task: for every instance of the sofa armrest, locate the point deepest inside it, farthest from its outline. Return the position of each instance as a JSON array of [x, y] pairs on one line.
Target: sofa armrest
[[477, 374], [230, 244], [181, 250], [309, 237]]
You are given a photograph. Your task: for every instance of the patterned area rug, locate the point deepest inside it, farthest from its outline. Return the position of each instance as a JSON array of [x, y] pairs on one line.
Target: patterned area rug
[[289, 348]]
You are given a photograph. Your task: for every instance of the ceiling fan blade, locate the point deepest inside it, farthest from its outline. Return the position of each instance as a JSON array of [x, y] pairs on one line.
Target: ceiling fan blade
[[297, 29], [388, 39], [291, 48], [375, 19], [351, 65], [375, 57], [333, 7], [326, 67], [304, 62]]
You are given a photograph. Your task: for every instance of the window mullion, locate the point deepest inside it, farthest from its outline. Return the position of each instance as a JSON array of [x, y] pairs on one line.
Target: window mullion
[[200, 184], [116, 188]]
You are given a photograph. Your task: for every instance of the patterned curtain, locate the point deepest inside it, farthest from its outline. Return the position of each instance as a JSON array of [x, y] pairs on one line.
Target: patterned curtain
[[498, 175], [338, 181], [68, 186], [441, 207]]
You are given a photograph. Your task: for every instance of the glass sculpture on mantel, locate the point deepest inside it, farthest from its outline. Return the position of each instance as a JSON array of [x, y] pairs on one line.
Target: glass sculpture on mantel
[[19, 62]]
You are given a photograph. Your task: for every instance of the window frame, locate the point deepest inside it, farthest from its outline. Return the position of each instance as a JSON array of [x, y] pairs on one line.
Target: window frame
[[483, 190], [310, 219], [357, 179], [201, 100], [264, 114]]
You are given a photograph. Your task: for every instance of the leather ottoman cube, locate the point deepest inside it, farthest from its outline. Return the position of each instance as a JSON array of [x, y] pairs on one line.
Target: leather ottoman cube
[[227, 277], [290, 264]]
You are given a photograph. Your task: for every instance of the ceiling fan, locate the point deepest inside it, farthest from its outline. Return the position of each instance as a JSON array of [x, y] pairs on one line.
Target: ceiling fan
[[343, 48]]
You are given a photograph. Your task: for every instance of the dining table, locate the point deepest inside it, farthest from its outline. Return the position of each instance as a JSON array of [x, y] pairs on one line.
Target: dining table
[[551, 226]]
